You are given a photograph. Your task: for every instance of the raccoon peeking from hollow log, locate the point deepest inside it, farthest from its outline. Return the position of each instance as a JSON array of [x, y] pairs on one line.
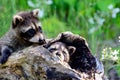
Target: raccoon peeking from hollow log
[[61, 50], [82, 59], [24, 31]]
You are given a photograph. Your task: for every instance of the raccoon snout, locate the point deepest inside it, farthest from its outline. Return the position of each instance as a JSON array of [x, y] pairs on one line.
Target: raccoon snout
[[58, 54], [42, 41]]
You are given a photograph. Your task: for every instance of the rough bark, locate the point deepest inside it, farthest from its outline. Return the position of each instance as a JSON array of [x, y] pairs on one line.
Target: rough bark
[[36, 63]]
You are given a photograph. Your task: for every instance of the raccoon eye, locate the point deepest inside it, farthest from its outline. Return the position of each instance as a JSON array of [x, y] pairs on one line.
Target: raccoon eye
[[40, 29], [52, 49], [64, 52], [30, 33]]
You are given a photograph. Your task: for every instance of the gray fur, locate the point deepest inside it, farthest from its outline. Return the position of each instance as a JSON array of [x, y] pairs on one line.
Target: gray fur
[[15, 39]]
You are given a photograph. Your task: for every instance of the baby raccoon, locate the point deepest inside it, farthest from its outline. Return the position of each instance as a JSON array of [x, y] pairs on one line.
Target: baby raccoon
[[61, 50], [24, 31]]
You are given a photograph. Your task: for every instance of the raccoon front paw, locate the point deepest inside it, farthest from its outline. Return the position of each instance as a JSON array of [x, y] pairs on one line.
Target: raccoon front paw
[[5, 53], [3, 60]]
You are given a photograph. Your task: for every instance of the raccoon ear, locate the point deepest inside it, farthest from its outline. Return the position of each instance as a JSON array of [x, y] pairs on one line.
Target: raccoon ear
[[71, 49], [35, 12], [16, 20]]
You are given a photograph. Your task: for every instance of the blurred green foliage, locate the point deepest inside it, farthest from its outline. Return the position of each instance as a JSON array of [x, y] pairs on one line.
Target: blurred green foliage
[[96, 20]]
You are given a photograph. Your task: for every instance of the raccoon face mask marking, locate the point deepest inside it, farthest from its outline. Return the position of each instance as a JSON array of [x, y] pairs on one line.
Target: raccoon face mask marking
[[33, 33], [28, 27], [61, 50]]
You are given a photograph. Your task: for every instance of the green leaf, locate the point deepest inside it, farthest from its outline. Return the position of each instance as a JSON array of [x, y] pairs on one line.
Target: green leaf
[[103, 4]]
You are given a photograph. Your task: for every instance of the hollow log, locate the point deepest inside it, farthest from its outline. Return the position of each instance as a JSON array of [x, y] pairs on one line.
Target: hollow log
[[36, 63]]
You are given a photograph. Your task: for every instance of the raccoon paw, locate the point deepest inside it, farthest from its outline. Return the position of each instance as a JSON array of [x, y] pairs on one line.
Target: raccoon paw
[[5, 53]]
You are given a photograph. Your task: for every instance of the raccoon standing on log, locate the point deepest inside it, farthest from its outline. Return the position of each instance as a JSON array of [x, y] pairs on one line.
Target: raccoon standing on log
[[24, 31]]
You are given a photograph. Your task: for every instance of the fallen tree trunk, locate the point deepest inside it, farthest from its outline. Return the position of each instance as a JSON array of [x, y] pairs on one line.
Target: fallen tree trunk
[[36, 63]]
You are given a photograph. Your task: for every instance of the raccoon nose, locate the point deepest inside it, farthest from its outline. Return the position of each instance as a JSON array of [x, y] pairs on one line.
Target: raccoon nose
[[40, 40], [58, 54]]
